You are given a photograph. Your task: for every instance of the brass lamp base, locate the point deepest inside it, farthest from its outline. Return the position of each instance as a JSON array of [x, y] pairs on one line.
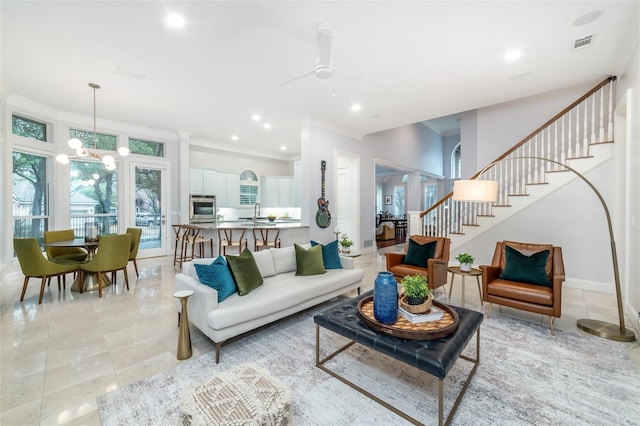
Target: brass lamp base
[[606, 330]]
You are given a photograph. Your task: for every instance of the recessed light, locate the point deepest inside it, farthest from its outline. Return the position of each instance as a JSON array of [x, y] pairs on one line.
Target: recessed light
[[267, 126], [256, 117], [234, 137], [175, 21], [283, 148], [356, 107], [512, 55]]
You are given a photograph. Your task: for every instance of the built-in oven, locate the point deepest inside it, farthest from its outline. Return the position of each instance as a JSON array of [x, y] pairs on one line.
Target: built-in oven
[[202, 208]]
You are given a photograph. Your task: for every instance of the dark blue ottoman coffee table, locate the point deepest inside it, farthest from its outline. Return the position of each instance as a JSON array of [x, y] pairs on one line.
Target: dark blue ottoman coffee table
[[435, 357]]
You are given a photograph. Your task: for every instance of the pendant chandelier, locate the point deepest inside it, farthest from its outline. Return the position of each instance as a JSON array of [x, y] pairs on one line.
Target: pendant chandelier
[[82, 152]]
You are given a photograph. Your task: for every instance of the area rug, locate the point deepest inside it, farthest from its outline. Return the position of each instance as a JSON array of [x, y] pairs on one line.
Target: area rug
[[525, 377]]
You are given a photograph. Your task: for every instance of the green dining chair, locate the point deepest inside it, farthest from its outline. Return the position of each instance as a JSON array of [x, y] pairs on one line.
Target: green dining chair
[[63, 254], [112, 256], [136, 233], [35, 265]]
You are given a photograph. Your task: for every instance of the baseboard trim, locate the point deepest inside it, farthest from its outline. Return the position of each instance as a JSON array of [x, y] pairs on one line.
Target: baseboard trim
[[589, 285]]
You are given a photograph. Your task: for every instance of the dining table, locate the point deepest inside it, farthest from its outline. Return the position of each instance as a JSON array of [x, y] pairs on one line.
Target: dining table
[[90, 278]]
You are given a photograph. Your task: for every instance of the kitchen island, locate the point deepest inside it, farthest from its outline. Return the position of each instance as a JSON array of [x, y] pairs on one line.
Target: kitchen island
[[291, 231]]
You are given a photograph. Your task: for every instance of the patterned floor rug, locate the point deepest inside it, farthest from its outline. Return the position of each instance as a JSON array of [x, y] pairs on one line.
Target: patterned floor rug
[[525, 377]]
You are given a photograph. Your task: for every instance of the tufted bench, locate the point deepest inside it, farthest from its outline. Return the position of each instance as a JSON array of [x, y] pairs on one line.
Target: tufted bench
[[435, 357]]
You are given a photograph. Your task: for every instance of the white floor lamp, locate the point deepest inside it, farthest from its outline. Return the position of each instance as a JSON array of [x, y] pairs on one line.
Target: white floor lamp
[[487, 191]]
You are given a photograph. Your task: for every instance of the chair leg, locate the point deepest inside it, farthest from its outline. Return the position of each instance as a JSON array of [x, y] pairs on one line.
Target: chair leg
[[99, 284], [81, 280], [58, 282], [114, 277], [553, 333], [44, 282], [24, 288], [135, 264], [490, 308], [126, 278]]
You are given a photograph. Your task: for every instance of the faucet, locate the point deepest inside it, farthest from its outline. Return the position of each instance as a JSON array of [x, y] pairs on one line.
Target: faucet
[[256, 213]]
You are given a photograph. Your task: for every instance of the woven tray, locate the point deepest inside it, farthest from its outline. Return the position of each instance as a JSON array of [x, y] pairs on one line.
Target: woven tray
[[405, 329]]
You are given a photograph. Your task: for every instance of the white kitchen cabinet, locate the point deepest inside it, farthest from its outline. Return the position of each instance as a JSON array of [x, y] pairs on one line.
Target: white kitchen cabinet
[[276, 191], [227, 189], [202, 181]]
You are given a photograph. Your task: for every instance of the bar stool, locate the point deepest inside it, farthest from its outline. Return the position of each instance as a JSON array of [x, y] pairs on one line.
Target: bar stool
[[179, 232], [226, 239], [192, 240], [266, 237]]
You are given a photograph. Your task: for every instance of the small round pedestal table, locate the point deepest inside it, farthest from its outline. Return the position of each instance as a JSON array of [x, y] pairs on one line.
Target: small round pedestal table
[[184, 337], [455, 270]]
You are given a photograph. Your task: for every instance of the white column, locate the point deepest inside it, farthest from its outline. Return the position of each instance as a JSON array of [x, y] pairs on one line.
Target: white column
[[414, 224], [182, 215]]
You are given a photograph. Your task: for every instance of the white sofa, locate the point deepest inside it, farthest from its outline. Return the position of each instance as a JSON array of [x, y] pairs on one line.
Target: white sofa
[[281, 294]]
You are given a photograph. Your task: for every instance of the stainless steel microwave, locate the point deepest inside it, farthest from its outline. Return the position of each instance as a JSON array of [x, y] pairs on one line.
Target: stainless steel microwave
[[202, 208]]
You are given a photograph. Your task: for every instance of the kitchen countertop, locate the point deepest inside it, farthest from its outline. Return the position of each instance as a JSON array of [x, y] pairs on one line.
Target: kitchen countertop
[[248, 224]]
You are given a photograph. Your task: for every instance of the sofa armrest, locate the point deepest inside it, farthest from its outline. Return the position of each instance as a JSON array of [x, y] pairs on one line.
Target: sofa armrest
[[489, 273], [203, 301], [347, 262], [437, 272], [394, 259]]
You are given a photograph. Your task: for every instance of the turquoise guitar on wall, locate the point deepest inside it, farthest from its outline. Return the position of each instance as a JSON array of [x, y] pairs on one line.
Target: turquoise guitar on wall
[[323, 216]]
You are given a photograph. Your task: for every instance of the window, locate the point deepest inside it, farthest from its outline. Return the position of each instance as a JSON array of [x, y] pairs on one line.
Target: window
[[28, 128], [138, 146], [430, 195], [103, 141], [456, 158], [93, 197], [30, 196], [248, 188], [398, 200]]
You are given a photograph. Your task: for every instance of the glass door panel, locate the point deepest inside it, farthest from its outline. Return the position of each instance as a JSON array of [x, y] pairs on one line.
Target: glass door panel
[[150, 209]]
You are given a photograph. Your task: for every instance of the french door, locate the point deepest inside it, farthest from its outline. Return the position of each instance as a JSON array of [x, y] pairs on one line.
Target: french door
[[149, 207]]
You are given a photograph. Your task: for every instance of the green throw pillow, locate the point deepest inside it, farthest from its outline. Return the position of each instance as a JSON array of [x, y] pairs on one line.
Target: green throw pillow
[[526, 269], [245, 272], [418, 254], [309, 262]]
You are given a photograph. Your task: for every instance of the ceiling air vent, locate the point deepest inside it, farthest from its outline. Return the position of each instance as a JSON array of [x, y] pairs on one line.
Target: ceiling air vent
[[583, 42]]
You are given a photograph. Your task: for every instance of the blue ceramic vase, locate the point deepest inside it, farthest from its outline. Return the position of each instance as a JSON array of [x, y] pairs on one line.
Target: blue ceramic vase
[[385, 298]]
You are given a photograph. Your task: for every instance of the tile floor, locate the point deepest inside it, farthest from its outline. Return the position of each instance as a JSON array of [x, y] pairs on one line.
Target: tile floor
[[56, 358]]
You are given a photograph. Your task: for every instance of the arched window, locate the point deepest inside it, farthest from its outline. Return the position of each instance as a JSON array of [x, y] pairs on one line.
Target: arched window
[[456, 156], [249, 185]]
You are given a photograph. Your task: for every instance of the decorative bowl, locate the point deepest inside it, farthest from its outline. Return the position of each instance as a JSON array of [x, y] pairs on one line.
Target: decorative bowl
[[271, 218], [415, 309]]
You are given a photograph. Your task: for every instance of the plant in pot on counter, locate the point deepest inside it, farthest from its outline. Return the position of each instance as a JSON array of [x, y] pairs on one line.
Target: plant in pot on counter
[[465, 260], [346, 244], [416, 289]]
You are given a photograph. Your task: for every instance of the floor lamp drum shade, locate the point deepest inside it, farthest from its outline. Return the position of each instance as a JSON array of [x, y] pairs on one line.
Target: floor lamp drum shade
[[475, 190]]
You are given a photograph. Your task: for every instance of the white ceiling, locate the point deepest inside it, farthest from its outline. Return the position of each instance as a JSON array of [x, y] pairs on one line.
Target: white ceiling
[[414, 61]]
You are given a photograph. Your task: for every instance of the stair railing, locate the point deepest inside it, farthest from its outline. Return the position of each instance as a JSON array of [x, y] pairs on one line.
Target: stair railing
[[568, 135]]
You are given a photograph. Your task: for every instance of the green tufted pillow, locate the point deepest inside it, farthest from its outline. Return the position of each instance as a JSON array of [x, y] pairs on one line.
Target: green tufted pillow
[[245, 272], [526, 269], [418, 254], [309, 262]]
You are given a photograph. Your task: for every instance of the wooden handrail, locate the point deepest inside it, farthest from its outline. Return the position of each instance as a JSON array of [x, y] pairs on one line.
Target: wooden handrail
[[603, 83]]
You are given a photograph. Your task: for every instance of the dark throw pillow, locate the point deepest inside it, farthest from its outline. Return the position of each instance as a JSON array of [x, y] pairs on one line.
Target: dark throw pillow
[[418, 254], [309, 262], [330, 255], [217, 276], [525, 269], [245, 271]]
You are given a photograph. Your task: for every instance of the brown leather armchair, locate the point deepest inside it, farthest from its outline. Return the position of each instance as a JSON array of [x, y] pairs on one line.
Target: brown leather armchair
[[436, 269], [541, 299]]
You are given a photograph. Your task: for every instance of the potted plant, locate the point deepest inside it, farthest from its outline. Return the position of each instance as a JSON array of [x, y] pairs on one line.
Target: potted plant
[[346, 244], [465, 260], [417, 293]]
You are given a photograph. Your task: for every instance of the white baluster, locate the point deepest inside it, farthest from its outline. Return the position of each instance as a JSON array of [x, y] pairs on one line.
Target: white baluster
[[585, 139], [601, 133], [610, 125], [555, 150], [593, 119], [578, 152], [535, 163], [569, 151]]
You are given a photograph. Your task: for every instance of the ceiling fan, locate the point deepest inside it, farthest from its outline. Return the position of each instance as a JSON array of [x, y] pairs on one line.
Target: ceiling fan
[[323, 68]]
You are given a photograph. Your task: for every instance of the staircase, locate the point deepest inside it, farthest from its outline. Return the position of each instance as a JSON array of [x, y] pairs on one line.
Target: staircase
[[580, 136]]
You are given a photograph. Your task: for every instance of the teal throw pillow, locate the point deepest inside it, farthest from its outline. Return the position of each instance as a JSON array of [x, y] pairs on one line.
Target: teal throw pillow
[[309, 262], [418, 254], [217, 276], [330, 255], [526, 269], [245, 271]]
